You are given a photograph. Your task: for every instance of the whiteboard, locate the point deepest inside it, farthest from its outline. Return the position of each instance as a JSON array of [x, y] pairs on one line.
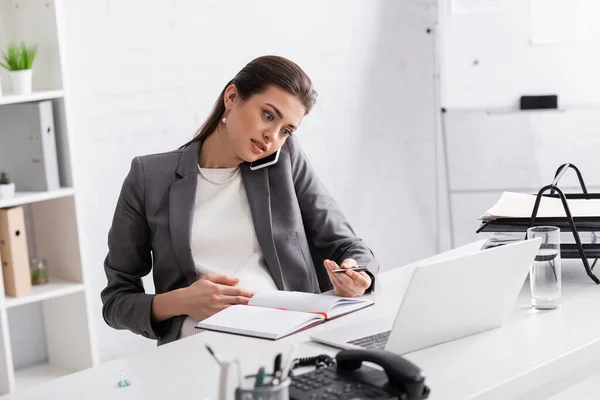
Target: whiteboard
[[521, 150], [489, 152], [488, 61]]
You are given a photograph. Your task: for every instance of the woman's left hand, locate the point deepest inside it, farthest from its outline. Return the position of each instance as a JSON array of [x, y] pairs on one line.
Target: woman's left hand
[[349, 283]]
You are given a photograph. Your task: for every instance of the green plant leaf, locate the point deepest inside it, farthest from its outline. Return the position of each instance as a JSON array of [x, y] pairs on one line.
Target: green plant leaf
[[30, 56], [19, 57], [23, 57], [13, 59]]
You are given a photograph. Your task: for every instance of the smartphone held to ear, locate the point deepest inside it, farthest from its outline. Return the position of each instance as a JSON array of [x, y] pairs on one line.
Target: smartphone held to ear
[[265, 162], [355, 269]]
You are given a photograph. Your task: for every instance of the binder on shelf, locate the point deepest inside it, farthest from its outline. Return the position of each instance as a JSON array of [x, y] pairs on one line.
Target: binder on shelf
[[15, 255], [28, 146], [568, 223]]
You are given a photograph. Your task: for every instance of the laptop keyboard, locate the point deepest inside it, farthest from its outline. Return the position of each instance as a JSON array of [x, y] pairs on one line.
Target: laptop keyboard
[[376, 341]]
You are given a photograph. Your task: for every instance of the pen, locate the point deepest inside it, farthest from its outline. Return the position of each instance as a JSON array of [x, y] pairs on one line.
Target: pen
[[289, 362], [212, 353], [355, 269], [260, 378], [225, 366], [239, 371], [276, 370]]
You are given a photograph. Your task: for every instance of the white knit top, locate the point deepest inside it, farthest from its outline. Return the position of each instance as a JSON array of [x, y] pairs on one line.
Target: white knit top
[[223, 239]]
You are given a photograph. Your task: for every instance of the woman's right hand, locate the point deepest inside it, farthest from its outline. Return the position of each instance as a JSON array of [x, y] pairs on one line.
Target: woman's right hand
[[213, 293]]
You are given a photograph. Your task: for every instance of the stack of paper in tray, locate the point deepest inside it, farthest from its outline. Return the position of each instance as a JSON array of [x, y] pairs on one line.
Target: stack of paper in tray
[[519, 205]]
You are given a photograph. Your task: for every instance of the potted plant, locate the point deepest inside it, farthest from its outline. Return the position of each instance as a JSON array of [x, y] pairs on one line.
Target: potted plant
[[7, 188], [18, 59], [38, 271]]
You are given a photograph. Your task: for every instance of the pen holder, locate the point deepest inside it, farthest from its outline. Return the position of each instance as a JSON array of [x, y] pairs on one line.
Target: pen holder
[[266, 392]]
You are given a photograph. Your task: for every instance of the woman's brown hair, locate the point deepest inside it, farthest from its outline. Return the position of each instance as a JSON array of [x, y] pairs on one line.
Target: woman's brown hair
[[256, 77]]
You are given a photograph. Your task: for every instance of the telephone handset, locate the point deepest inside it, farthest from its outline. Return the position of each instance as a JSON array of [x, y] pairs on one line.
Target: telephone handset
[[265, 161], [349, 378], [402, 375]]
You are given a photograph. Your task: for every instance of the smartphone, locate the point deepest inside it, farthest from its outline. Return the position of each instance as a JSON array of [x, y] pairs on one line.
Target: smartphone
[[265, 162], [355, 269]]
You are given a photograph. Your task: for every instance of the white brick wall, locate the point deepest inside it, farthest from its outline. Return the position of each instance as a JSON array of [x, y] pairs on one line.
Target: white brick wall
[[145, 74]]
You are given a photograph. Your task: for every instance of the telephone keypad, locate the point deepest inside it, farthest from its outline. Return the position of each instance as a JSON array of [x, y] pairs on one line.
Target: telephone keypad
[[326, 384]]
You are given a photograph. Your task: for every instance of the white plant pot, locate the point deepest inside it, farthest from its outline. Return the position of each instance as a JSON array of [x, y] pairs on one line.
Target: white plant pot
[[7, 191], [21, 81]]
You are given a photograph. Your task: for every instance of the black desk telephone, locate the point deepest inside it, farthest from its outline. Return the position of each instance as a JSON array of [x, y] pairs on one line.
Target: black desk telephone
[[349, 379]]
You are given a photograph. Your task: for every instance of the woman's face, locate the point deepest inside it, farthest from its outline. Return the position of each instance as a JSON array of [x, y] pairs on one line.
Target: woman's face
[[259, 126]]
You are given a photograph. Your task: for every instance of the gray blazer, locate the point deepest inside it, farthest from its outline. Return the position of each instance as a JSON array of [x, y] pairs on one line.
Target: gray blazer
[[297, 222]]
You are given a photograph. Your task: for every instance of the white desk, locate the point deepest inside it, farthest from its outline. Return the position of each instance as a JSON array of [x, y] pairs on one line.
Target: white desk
[[534, 355]]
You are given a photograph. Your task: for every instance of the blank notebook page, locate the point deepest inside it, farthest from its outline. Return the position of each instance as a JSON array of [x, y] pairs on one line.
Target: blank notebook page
[[259, 321], [308, 302]]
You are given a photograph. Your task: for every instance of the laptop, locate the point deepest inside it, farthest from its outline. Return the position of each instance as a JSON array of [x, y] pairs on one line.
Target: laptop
[[455, 294]]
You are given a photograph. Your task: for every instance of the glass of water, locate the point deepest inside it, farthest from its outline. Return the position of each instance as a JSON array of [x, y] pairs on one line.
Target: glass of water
[[545, 273]]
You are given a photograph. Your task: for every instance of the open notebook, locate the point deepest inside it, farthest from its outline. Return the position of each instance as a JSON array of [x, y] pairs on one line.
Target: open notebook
[[273, 315]]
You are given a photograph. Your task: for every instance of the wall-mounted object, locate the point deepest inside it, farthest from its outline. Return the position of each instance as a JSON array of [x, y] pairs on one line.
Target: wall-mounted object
[[539, 102]]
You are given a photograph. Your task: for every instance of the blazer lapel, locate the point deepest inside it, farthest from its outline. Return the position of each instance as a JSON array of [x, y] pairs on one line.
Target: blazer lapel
[[182, 196], [257, 188]]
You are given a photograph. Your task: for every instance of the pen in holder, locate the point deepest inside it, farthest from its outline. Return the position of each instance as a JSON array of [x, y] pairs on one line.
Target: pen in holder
[[261, 386], [226, 387], [249, 391]]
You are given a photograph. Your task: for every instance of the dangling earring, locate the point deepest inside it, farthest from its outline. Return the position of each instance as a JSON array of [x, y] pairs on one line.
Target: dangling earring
[[224, 120]]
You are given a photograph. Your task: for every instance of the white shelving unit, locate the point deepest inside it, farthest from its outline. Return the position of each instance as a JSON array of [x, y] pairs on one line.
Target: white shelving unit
[[37, 95], [31, 376], [54, 288], [55, 233], [23, 198]]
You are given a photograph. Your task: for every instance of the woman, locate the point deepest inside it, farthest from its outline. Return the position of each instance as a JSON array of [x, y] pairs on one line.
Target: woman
[[215, 229]]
